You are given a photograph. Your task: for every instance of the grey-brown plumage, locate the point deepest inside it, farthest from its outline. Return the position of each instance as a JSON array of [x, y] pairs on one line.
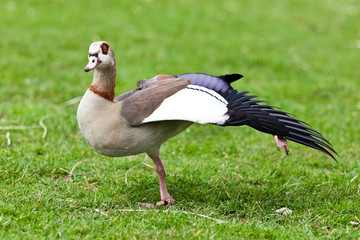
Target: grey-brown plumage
[[141, 104]]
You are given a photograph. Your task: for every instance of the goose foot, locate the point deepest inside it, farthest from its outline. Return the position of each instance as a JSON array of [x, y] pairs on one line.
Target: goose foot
[[281, 142], [163, 202], [166, 202]]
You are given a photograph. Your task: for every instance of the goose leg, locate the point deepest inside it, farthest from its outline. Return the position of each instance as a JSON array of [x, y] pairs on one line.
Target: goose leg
[[280, 142], [166, 199]]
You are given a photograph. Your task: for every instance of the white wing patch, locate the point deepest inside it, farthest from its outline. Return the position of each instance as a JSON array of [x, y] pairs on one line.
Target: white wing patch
[[193, 103]]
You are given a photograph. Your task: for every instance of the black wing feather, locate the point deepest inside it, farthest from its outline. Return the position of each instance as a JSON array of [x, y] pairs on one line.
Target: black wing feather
[[242, 110]]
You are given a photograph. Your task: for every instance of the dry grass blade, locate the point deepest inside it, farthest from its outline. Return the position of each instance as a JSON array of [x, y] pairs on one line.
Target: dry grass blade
[[64, 170], [175, 211], [260, 207], [202, 215], [17, 127], [8, 138], [41, 122], [126, 174], [69, 177], [73, 168], [147, 165], [73, 101], [354, 178]]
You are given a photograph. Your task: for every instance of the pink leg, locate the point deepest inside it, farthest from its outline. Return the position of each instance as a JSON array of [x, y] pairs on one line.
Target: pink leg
[[281, 142], [166, 199], [160, 170]]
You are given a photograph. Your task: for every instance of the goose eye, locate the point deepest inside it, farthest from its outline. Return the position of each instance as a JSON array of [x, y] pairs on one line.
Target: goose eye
[[104, 48]]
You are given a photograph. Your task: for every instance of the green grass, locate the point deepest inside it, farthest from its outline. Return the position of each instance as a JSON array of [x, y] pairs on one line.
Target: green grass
[[302, 56]]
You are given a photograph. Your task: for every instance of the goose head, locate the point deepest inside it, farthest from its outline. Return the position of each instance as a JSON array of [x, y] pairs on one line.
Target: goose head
[[100, 56]]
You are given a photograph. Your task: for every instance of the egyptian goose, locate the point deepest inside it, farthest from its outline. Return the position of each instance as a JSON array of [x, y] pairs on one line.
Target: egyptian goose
[[141, 120]]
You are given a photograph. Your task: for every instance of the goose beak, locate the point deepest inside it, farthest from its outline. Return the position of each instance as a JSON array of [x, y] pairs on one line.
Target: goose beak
[[94, 61]]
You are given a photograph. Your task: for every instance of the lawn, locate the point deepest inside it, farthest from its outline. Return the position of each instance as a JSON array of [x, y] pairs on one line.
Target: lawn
[[302, 56]]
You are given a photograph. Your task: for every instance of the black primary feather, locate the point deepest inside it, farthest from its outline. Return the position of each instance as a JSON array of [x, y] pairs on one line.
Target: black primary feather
[[229, 78], [242, 110]]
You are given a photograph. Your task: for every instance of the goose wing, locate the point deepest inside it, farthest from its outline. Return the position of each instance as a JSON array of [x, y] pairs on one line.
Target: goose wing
[[176, 98]]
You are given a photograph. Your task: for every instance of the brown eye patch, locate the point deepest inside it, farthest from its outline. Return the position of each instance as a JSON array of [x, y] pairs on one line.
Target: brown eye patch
[[104, 48]]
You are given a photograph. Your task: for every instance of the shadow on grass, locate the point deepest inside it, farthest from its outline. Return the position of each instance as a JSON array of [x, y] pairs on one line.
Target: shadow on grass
[[258, 196]]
